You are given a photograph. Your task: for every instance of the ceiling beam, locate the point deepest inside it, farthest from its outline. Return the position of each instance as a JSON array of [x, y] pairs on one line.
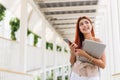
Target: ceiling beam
[[72, 36], [52, 18], [55, 19], [68, 34], [63, 24], [64, 35], [67, 17], [64, 28], [69, 37], [75, 15], [66, 31], [66, 21], [56, 1], [69, 29], [70, 8], [61, 32], [59, 26]]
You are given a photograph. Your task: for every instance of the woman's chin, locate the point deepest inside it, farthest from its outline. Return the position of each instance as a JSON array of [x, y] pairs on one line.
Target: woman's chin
[[86, 32]]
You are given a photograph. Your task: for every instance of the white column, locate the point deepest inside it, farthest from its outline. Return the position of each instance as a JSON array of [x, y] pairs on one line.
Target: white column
[[112, 39], [55, 56], [106, 34], [116, 35], [107, 51], [44, 49], [109, 42], [105, 38], [23, 35], [118, 13]]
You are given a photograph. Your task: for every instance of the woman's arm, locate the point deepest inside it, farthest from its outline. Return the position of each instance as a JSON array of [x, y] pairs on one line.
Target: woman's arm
[[72, 58], [72, 51], [102, 61], [99, 62]]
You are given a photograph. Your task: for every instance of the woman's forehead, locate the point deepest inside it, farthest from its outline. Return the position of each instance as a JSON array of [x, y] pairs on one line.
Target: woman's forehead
[[83, 20]]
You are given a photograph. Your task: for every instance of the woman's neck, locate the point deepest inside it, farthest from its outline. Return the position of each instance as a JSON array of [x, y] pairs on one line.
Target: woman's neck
[[88, 36]]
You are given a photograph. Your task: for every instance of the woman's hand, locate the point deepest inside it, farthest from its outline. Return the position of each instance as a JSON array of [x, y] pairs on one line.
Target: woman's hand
[[80, 52], [72, 51], [72, 48]]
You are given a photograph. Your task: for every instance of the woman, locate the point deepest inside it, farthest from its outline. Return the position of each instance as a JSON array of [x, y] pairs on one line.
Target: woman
[[84, 70]]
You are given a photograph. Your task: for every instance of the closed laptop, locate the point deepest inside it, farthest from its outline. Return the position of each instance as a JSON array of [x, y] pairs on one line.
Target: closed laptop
[[93, 48]]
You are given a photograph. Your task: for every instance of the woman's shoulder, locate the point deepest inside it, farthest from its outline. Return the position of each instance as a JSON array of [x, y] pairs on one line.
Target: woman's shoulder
[[97, 39]]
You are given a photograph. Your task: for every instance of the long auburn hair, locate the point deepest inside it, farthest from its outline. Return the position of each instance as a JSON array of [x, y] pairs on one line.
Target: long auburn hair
[[79, 37]]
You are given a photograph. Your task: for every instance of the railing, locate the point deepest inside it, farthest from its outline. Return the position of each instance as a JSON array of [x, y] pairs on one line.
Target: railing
[[13, 75], [116, 76]]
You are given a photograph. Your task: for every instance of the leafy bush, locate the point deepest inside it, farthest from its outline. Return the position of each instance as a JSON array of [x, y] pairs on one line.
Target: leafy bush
[[59, 48], [28, 32], [35, 39], [49, 45], [65, 50], [37, 78], [59, 78], [15, 24], [66, 77], [2, 12], [50, 75]]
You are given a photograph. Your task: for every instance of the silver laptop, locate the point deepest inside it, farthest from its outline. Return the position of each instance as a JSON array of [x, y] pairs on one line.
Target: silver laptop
[[93, 48]]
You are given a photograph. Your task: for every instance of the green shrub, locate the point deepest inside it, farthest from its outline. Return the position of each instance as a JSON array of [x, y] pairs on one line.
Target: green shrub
[[28, 32], [49, 45], [35, 39], [59, 48], [15, 24], [2, 12], [65, 50], [37, 78], [66, 77]]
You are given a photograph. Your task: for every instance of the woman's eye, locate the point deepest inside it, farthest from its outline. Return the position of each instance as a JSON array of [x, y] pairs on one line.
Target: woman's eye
[[81, 24], [86, 22]]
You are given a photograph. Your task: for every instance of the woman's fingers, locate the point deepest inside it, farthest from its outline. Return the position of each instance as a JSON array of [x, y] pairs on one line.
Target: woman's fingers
[[73, 45]]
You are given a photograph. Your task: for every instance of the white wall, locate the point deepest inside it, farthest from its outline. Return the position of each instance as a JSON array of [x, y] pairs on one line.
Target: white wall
[[19, 56], [109, 31]]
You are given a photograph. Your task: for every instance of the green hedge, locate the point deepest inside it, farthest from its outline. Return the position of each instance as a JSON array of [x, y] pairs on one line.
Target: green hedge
[[49, 45], [2, 12], [36, 37], [59, 48], [37, 78], [50, 76], [65, 50], [15, 24]]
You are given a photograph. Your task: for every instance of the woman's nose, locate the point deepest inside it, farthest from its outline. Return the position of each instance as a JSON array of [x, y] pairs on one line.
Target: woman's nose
[[84, 25]]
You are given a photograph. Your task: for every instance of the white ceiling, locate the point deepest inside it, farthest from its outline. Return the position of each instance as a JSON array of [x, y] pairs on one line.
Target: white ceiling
[[63, 14]]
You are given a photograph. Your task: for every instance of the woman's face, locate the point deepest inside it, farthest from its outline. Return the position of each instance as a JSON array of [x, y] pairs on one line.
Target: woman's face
[[85, 26]]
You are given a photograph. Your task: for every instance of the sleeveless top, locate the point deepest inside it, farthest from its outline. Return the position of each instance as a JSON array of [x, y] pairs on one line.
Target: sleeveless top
[[85, 69]]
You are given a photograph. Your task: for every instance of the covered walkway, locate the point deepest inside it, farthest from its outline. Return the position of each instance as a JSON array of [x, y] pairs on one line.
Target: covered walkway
[[32, 33]]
